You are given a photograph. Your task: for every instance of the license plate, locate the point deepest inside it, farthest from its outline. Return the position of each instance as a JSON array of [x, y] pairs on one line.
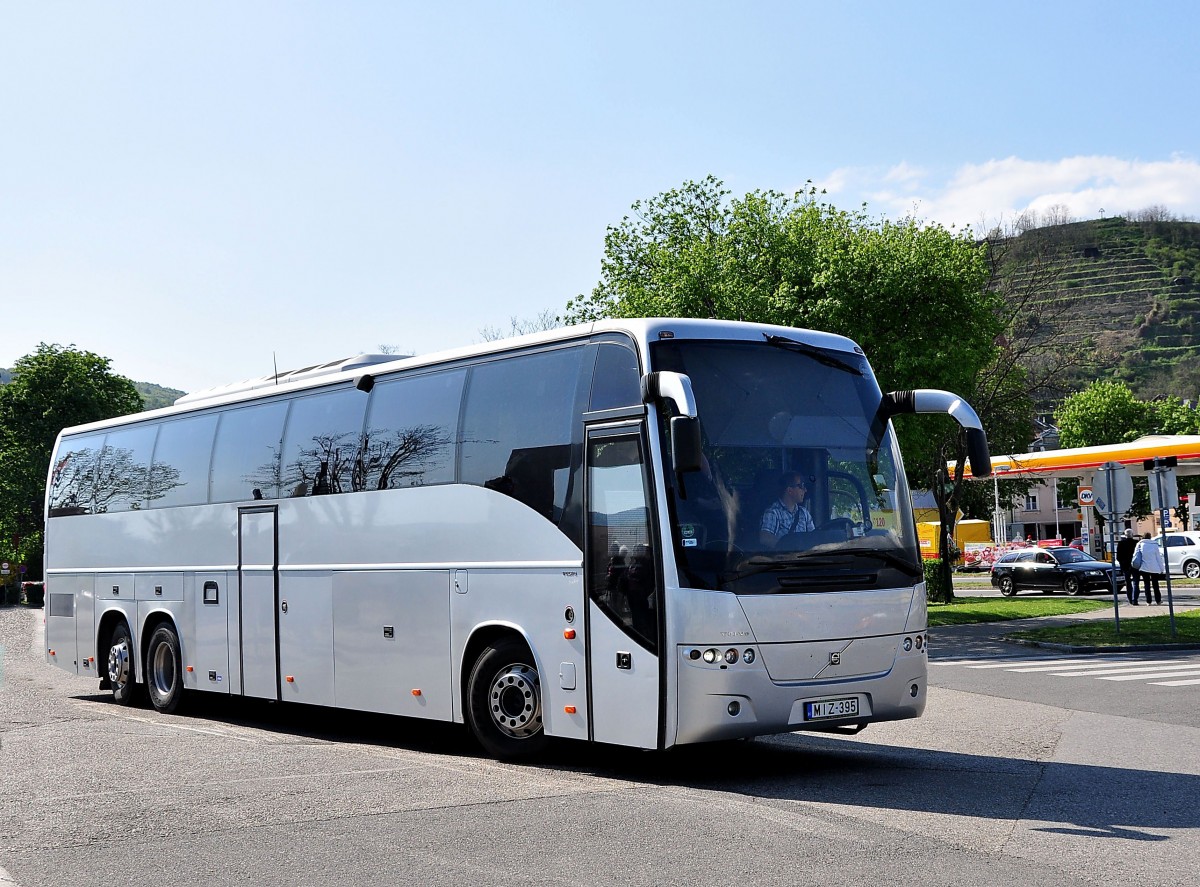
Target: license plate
[[831, 708]]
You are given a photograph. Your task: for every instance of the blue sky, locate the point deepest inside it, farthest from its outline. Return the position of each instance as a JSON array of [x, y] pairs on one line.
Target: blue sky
[[198, 190]]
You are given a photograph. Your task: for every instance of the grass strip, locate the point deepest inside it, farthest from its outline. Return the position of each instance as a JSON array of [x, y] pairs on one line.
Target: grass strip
[[1145, 630], [967, 610]]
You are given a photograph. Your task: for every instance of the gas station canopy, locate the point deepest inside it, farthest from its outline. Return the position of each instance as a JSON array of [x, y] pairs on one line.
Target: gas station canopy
[[1083, 461]]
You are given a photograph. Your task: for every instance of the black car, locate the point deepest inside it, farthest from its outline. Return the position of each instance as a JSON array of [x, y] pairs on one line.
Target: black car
[[1051, 569]]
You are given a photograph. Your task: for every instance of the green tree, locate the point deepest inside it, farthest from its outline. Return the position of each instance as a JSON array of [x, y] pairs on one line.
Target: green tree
[[913, 295], [52, 388], [1103, 413]]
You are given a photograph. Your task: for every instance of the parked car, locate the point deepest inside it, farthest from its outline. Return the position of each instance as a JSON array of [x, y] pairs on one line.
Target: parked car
[[1051, 569], [1183, 554]]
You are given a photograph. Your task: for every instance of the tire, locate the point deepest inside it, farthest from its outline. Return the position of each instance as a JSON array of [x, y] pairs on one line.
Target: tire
[[119, 663], [1008, 588], [1072, 586], [164, 669], [1191, 569], [504, 701]]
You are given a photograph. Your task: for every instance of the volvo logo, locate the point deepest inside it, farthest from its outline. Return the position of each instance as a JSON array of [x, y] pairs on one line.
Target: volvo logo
[[835, 658]]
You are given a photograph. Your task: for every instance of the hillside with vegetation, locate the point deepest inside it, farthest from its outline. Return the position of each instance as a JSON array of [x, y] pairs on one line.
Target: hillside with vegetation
[[1120, 293], [153, 396]]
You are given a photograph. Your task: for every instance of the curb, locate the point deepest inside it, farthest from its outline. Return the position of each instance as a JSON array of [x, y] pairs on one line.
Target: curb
[[1070, 648]]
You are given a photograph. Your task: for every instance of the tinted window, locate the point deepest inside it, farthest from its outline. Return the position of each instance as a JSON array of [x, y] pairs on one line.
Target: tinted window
[[410, 432], [620, 555], [179, 475], [123, 469], [321, 442], [617, 381], [72, 482], [517, 426], [246, 460]]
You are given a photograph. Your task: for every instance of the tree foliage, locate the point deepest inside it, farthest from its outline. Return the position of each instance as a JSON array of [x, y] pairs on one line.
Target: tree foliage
[[52, 388]]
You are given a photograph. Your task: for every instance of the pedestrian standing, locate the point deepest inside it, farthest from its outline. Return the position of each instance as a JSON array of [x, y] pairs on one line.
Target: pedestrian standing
[[1125, 549], [1153, 567]]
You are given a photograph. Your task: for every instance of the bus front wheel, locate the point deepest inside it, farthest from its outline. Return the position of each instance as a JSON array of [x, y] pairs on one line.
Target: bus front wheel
[[120, 665], [504, 700], [164, 669]]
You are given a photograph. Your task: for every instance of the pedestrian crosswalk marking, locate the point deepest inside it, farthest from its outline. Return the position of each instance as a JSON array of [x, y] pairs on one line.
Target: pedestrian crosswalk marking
[[1111, 668]]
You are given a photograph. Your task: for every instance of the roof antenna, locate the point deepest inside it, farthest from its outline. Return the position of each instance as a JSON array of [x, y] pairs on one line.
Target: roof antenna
[[275, 364]]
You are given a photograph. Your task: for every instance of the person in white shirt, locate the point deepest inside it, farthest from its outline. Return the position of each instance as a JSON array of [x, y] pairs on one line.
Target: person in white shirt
[[1152, 567]]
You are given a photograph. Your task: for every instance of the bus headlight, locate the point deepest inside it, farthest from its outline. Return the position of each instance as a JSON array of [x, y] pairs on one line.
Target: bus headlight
[[711, 655], [731, 656], [908, 644], [748, 655]]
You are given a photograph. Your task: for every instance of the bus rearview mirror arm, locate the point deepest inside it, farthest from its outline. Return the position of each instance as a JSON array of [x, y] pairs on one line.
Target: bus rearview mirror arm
[[931, 400], [685, 427]]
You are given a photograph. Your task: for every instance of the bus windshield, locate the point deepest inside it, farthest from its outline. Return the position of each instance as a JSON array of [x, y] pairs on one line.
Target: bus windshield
[[801, 488]]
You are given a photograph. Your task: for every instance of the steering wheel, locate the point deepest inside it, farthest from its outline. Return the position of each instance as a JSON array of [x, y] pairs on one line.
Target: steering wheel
[[843, 524]]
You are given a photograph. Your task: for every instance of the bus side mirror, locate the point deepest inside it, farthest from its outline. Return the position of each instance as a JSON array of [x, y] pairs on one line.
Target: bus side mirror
[[685, 444]]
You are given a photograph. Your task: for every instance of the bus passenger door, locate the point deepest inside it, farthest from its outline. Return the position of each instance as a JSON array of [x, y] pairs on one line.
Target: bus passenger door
[[624, 591], [258, 582]]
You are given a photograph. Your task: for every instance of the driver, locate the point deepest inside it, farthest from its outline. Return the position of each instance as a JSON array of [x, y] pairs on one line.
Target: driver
[[787, 513]]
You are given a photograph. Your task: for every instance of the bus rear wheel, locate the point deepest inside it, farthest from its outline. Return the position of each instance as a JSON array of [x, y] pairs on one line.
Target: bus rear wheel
[[120, 665], [164, 670], [504, 701]]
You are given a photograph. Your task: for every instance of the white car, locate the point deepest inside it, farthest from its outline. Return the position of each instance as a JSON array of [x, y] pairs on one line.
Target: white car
[[1183, 554]]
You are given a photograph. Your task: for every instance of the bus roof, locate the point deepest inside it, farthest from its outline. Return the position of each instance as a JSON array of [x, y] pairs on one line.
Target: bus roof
[[347, 369]]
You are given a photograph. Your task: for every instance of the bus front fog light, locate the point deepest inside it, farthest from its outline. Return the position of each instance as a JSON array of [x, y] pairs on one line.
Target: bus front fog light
[[748, 656], [734, 709], [731, 656], [913, 691], [920, 642], [693, 654], [907, 644], [711, 655]]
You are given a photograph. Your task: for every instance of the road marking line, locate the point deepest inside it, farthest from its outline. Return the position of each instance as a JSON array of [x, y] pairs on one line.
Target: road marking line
[[1176, 683], [1101, 665], [1157, 674], [1138, 670], [1052, 663]]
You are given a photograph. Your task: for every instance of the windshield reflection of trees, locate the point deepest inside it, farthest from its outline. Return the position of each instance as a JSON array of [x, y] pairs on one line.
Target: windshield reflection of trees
[[338, 463], [91, 481], [109, 479]]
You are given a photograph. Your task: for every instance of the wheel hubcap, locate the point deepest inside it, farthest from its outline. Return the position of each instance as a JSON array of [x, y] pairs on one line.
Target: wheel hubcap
[[515, 701], [118, 663]]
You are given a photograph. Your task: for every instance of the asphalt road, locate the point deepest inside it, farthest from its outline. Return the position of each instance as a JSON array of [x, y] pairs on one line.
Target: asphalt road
[[985, 789]]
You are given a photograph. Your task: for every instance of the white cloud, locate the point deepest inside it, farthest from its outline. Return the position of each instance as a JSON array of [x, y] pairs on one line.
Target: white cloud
[[998, 191]]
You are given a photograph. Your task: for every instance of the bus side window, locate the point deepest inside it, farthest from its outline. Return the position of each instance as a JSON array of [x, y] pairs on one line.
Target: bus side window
[[320, 442], [247, 455], [617, 381], [517, 425], [410, 430], [73, 481]]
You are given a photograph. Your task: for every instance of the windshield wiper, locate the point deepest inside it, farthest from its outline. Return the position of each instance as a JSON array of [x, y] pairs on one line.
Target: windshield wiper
[[895, 560], [815, 353]]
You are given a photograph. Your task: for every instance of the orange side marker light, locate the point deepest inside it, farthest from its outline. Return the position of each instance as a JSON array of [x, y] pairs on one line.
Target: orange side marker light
[[569, 634], [416, 692], [569, 709], [291, 679]]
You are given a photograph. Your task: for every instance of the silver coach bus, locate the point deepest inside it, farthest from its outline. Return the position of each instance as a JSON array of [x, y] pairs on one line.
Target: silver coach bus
[[567, 534]]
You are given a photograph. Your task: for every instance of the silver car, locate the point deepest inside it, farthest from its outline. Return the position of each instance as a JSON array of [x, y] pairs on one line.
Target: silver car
[[1183, 554]]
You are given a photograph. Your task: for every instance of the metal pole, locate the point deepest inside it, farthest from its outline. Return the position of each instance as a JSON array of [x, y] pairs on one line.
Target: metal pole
[[1162, 529], [1110, 519]]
